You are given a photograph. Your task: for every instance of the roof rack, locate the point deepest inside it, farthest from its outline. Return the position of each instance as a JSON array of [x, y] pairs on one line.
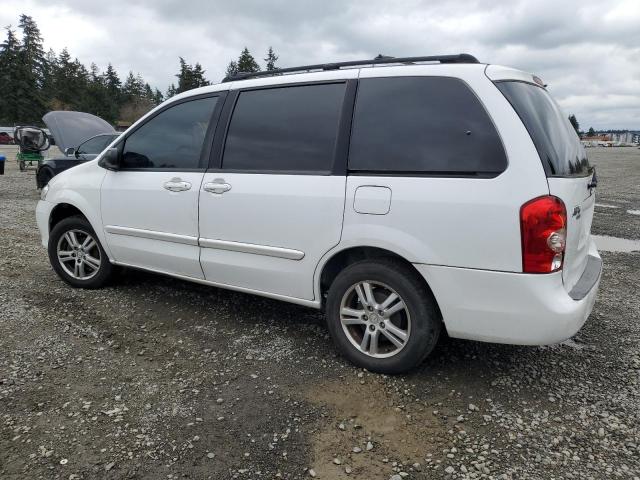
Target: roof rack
[[379, 60]]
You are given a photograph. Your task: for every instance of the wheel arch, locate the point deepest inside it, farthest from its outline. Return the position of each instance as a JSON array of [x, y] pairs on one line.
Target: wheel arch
[[66, 208], [332, 265]]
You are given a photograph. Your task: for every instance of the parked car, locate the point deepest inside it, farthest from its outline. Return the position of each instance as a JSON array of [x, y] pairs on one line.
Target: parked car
[[404, 200], [88, 150], [81, 137], [5, 139]]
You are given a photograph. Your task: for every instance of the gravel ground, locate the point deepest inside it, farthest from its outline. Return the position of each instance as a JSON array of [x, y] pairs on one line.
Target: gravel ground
[[159, 378]]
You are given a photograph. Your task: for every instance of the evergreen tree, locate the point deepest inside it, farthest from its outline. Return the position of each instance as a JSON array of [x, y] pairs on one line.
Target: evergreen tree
[[133, 87], [574, 123], [271, 60], [112, 82], [33, 52], [12, 84], [32, 65], [32, 82], [246, 62], [112, 86], [78, 86], [591, 132], [48, 70], [63, 72], [148, 93], [190, 77], [232, 69], [185, 77], [157, 97], [97, 101], [198, 76], [171, 91], [136, 98]]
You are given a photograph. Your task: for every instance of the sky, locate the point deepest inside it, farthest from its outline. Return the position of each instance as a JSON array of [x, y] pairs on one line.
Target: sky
[[588, 52]]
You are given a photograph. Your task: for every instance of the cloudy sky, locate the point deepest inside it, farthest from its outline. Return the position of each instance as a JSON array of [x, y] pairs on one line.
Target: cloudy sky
[[587, 51]]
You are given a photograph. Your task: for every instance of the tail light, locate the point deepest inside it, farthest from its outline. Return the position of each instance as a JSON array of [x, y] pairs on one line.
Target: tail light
[[543, 227]]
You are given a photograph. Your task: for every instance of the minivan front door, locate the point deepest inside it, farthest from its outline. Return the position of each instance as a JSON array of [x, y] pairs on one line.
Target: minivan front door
[[275, 206], [150, 205]]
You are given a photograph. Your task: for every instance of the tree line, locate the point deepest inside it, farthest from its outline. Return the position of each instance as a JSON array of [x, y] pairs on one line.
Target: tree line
[[33, 82]]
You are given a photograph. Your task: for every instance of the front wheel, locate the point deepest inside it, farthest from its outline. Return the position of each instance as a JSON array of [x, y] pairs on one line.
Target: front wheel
[[382, 317], [76, 255], [45, 176]]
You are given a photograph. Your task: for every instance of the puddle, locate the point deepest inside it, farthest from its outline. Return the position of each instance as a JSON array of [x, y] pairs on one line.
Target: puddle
[[615, 244], [634, 212], [606, 205]]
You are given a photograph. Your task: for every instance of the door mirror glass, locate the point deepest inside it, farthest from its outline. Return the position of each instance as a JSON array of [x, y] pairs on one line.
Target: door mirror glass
[[110, 159], [69, 151]]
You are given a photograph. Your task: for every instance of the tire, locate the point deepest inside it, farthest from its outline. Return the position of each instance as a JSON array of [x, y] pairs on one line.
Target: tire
[[45, 177], [22, 165], [68, 240], [419, 322]]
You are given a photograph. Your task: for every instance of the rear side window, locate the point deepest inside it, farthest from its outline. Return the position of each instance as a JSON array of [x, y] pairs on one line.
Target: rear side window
[[287, 129], [555, 139], [423, 125], [172, 139]]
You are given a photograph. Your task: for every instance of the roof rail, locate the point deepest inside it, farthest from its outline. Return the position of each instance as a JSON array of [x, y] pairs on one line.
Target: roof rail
[[379, 60]]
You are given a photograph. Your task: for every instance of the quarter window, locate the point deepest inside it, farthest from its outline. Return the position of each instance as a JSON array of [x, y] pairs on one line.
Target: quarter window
[[291, 129], [172, 139], [429, 125], [555, 139]]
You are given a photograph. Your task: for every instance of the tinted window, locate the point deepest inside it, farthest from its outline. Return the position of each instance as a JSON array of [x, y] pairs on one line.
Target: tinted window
[[172, 139], [555, 139], [285, 129], [95, 145], [423, 125]]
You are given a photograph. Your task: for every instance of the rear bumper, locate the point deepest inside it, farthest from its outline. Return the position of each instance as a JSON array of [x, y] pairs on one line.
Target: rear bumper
[[513, 308]]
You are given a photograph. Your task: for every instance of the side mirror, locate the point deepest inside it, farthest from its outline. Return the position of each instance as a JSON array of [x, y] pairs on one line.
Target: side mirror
[[69, 151], [110, 159]]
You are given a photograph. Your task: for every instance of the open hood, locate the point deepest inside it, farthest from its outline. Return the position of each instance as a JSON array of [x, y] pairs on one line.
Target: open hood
[[70, 129]]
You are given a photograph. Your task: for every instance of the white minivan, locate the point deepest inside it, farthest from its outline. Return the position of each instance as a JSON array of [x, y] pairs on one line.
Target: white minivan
[[404, 196]]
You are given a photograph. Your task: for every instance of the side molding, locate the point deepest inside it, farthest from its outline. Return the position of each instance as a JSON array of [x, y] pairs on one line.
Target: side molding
[[279, 252], [152, 235]]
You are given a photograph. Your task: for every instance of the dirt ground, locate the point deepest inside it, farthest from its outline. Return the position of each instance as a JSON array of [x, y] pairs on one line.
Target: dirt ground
[[158, 378]]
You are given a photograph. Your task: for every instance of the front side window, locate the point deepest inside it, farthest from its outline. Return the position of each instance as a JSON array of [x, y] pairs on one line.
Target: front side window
[[173, 139], [292, 129], [423, 125]]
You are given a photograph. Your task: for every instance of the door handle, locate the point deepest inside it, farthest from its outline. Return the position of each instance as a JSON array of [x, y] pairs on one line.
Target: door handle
[[216, 187], [177, 185]]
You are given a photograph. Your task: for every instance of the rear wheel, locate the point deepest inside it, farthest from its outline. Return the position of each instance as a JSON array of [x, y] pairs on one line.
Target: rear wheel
[[381, 316], [76, 255], [22, 165]]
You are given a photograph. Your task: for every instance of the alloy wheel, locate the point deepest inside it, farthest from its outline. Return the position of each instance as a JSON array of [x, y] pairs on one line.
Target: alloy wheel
[[375, 319], [79, 254]]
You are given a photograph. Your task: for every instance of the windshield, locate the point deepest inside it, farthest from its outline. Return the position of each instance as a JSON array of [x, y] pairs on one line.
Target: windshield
[[95, 145], [555, 139]]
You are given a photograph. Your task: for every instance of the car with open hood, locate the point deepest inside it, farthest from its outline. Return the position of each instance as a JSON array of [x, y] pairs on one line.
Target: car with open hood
[[80, 136]]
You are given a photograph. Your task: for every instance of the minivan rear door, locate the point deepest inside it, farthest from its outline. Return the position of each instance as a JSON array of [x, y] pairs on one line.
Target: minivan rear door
[[569, 174], [272, 203]]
